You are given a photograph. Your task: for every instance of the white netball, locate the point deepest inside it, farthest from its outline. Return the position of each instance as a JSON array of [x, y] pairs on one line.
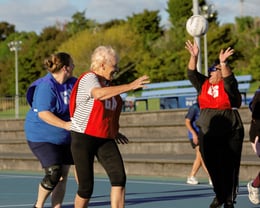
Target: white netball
[[197, 25]]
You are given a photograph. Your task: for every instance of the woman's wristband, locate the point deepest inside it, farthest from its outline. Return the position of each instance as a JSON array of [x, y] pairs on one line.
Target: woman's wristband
[[223, 63]]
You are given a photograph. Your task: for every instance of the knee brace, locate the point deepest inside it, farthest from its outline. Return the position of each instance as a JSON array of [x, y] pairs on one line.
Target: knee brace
[[52, 177]]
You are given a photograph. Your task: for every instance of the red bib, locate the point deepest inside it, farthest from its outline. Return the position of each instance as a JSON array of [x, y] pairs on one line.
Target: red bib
[[214, 96]]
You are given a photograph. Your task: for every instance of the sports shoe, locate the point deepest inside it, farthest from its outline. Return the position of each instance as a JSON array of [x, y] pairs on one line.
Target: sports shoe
[[210, 182], [253, 193], [215, 203], [192, 180], [229, 204]]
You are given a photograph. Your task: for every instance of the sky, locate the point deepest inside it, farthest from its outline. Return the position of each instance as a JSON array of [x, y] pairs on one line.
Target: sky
[[34, 15]]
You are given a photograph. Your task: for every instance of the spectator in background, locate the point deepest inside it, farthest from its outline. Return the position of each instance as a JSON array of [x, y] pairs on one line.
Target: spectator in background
[[221, 131], [190, 122], [47, 126], [254, 134], [95, 108]]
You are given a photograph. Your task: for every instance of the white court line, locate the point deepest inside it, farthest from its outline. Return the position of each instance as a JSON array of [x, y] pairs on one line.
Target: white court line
[[21, 205], [141, 181]]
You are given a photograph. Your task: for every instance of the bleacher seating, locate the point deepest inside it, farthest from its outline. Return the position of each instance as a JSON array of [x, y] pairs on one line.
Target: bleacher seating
[[178, 91]]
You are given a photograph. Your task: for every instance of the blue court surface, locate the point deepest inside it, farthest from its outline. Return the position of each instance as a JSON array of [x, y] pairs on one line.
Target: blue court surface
[[19, 190]]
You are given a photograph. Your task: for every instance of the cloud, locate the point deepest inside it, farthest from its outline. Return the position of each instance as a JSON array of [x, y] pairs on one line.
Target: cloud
[[34, 15], [228, 10], [118, 9]]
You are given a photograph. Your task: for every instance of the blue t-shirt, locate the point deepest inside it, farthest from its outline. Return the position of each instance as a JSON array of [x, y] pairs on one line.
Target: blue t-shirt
[[193, 115], [46, 94]]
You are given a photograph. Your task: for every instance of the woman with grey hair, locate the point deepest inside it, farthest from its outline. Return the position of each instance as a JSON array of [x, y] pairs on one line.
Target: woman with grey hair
[[95, 108]]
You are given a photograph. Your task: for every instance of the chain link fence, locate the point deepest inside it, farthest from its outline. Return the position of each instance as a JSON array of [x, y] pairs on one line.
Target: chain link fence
[[7, 108]]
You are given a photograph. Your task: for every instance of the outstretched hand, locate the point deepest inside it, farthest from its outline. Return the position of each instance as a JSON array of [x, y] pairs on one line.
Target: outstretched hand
[[121, 139], [140, 82], [223, 55], [192, 48]]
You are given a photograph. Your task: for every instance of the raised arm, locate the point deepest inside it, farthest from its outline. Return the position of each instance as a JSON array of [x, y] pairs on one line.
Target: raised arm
[[194, 52], [223, 56]]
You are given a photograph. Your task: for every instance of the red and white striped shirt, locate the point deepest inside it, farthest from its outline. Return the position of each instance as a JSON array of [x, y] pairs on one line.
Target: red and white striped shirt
[[99, 118]]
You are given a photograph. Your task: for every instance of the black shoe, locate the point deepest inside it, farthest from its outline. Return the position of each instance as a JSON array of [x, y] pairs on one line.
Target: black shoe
[[229, 204], [215, 203]]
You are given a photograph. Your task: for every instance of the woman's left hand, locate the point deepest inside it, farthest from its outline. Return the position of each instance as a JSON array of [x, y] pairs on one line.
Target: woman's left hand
[[121, 139], [223, 55]]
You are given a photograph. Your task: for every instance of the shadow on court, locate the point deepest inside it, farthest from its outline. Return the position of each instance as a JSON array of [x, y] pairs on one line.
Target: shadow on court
[[168, 196], [166, 201]]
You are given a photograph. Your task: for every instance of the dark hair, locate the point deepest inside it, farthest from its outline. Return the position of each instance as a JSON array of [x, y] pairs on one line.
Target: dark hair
[[213, 66], [56, 61]]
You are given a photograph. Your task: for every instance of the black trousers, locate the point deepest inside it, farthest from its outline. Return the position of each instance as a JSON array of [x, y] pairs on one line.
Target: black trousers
[[221, 148]]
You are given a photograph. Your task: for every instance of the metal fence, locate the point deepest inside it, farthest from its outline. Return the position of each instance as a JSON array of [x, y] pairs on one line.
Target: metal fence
[[8, 108]]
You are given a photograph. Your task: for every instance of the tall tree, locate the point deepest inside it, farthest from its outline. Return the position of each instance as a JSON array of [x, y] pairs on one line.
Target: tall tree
[[79, 23], [121, 37], [147, 25], [5, 30], [248, 34]]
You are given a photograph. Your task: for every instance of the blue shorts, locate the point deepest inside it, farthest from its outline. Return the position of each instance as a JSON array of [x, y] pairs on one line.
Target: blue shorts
[[193, 145], [51, 154]]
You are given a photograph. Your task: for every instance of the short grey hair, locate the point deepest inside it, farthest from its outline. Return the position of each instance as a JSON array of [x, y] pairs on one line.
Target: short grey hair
[[102, 54]]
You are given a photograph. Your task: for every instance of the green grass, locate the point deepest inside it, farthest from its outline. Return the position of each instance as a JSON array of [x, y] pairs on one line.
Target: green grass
[[10, 113], [153, 104], [254, 86]]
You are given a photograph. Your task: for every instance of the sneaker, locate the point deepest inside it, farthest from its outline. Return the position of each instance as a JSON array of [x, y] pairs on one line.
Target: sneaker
[[210, 182], [229, 204], [192, 180], [253, 193], [215, 203]]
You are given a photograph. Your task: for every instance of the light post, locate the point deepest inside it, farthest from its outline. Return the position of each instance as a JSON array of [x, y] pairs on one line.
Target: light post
[[15, 46], [207, 11], [195, 10]]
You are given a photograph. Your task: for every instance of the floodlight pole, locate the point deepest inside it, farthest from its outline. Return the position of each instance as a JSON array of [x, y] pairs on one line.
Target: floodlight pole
[[206, 54], [15, 46], [207, 11], [197, 39]]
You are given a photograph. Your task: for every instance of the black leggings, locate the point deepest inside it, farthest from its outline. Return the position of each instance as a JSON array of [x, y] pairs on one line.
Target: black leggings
[[84, 148]]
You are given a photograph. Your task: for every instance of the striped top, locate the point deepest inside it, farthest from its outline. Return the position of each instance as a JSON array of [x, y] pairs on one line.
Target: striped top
[[99, 118]]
